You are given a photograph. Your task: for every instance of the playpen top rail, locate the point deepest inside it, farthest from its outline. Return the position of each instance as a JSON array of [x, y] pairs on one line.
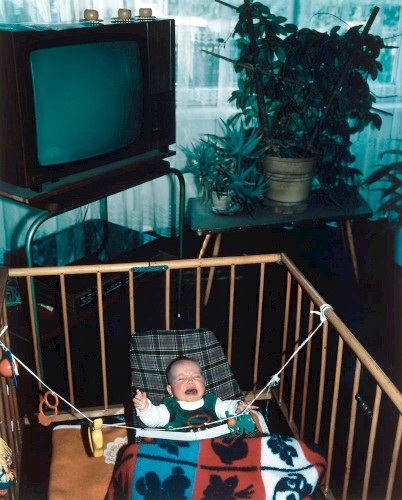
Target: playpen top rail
[[171, 264]]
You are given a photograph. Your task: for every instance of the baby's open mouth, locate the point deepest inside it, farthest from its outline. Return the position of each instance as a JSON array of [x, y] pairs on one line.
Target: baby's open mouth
[[191, 391]]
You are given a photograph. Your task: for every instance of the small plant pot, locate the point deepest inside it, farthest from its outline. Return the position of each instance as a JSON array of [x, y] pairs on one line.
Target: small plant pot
[[224, 204]]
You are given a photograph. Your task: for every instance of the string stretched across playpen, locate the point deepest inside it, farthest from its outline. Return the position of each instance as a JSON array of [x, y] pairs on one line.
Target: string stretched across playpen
[[332, 392]]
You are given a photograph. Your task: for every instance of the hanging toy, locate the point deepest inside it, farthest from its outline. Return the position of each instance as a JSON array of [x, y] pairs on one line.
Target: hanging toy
[[95, 437], [241, 424], [47, 419], [364, 406], [7, 474], [9, 367]]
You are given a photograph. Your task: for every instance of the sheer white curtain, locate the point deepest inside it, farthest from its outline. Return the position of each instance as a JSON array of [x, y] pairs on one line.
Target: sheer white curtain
[[203, 86]]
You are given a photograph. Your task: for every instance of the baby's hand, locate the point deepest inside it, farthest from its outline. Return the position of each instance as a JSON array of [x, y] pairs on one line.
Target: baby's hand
[[140, 400], [242, 405]]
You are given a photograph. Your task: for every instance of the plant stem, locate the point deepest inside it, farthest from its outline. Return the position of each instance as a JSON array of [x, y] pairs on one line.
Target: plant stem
[[339, 83]]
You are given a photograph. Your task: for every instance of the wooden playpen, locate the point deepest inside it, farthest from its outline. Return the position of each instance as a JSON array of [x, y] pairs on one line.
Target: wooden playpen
[[331, 392]]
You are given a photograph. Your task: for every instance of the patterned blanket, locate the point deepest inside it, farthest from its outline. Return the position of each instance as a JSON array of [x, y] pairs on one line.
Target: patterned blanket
[[267, 467]]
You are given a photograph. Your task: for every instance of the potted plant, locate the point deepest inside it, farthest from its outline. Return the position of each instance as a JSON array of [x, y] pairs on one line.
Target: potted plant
[[388, 178], [306, 91], [228, 167]]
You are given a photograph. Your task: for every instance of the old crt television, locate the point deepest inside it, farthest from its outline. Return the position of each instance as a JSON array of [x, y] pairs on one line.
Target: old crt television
[[80, 96]]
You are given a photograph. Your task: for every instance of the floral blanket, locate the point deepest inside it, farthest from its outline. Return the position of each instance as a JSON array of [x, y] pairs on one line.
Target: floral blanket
[[267, 467]]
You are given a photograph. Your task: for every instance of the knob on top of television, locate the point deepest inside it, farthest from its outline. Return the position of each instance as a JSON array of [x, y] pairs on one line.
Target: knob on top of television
[[124, 14], [145, 12], [91, 15]]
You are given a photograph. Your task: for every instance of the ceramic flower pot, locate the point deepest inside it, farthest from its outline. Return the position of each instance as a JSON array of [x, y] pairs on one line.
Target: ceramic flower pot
[[290, 183], [223, 204]]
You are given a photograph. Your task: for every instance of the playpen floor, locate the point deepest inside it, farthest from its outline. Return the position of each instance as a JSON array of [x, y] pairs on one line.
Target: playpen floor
[[370, 309]]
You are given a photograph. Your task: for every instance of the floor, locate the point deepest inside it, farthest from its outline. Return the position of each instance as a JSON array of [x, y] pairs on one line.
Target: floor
[[371, 308]]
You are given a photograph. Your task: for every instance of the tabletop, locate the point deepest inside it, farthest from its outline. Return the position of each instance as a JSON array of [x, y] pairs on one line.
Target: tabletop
[[322, 207]]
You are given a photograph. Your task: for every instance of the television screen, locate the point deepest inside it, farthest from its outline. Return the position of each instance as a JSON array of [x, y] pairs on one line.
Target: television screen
[[78, 112]]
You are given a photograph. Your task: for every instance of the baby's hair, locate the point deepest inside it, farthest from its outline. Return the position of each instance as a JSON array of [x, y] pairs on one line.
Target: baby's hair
[[177, 360]]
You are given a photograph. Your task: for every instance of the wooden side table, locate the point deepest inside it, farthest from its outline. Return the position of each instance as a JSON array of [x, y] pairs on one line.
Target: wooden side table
[[322, 207]]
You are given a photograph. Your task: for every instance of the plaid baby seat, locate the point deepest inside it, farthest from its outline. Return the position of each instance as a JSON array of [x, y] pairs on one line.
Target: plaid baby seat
[[151, 352]]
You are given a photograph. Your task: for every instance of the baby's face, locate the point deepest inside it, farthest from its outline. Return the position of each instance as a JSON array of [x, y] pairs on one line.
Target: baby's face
[[186, 381]]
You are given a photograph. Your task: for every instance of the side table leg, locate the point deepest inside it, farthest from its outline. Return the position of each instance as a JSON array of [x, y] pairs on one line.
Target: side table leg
[[215, 253], [352, 248], [204, 245]]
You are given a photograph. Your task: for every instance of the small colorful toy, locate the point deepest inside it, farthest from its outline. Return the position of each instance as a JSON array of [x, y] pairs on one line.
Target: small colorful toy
[[7, 474], [241, 424], [364, 406], [47, 419], [9, 367], [95, 437]]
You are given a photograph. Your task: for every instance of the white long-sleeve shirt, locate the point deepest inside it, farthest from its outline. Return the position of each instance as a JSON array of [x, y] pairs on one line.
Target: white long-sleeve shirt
[[159, 415]]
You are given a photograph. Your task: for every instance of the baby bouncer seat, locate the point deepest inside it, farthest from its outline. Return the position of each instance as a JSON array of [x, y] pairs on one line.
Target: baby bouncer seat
[[257, 465]]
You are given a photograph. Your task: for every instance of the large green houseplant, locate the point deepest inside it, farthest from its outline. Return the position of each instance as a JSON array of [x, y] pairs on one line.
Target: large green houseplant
[[306, 91], [227, 166]]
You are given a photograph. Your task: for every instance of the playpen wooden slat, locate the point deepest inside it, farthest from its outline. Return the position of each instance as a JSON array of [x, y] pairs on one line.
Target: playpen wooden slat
[[373, 434], [33, 328], [323, 367], [3, 285], [131, 301], [10, 413], [334, 408], [259, 324], [9, 408], [67, 339], [352, 428], [167, 299], [198, 298], [7, 415], [296, 358], [306, 375], [232, 286], [285, 331], [102, 339]]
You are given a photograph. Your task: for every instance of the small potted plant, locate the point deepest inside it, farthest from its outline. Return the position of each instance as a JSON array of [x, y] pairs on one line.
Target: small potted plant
[[388, 178], [228, 167], [306, 91]]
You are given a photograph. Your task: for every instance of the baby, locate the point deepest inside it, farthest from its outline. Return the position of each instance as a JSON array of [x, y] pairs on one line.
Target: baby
[[188, 404]]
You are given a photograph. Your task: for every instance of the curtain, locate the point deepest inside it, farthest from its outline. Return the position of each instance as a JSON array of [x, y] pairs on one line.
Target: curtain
[[203, 86]]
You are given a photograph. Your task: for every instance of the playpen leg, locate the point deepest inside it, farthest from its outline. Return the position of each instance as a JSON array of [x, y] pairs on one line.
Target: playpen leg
[[215, 253]]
